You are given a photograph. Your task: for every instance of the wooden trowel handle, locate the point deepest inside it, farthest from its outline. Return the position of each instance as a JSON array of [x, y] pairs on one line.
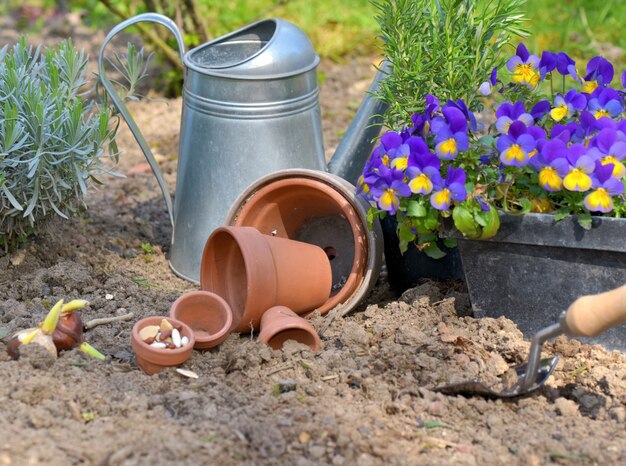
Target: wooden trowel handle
[[591, 315]]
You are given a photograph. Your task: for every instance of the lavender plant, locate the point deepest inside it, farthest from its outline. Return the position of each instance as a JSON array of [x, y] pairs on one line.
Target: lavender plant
[[53, 138]]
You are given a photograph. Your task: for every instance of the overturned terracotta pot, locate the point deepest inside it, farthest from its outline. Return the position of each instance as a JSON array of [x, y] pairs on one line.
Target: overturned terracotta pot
[[254, 272], [152, 360], [208, 315], [322, 209], [280, 324]]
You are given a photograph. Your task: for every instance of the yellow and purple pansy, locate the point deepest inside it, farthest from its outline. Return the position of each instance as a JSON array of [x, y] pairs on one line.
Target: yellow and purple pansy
[[450, 133], [551, 164], [605, 186], [390, 187], [579, 168], [452, 188], [517, 145], [508, 113], [599, 73], [605, 102], [566, 105], [609, 149], [524, 66]]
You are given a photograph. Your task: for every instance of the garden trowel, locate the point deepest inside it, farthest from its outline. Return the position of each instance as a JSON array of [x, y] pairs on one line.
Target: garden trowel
[[588, 316]]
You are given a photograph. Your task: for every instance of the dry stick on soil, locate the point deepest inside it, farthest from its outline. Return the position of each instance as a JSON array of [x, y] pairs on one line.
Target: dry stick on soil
[[279, 369], [108, 320]]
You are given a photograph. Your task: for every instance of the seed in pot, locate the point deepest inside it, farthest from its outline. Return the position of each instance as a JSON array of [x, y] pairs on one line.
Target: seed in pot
[[184, 341], [158, 344], [176, 338], [165, 325], [164, 335], [149, 331]]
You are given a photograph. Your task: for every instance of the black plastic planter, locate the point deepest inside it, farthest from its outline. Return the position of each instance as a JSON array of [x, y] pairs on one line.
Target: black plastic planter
[[534, 268], [404, 270]]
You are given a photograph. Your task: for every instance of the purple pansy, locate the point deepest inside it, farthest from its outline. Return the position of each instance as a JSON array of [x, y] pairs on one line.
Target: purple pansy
[[586, 128], [580, 166], [566, 66], [450, 133], [524, 67], [508, 113], [422, 170], [516, 146], [448, 190], [487, 87], [460, 105], [605, 102], [389, 188], [551, 164], [607, 148], [604, 187], [566, 105], [540, 109], [599, 73], [547, 63]]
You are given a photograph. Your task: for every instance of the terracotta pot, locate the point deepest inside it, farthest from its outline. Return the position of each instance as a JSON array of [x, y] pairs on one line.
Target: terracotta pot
[[208, 315], [321, 209], [254, 272], [280, 324], [153, 360]]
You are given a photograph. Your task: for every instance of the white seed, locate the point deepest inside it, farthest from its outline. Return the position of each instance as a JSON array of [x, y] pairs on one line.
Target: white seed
[[184, 341], [187, 373], [158, 344], [108, 296], [176, 338]]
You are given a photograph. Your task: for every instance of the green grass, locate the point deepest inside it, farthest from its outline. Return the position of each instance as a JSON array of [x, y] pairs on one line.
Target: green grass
[[581, 28]]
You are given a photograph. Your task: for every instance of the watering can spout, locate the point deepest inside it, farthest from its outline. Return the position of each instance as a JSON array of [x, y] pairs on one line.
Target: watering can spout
[[356, 145]]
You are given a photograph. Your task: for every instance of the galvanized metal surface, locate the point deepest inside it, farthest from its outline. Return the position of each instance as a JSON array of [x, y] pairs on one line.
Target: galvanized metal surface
[[250, 108]]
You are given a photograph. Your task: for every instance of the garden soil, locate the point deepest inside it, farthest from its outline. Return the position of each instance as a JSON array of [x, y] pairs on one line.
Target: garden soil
[[365, 399]]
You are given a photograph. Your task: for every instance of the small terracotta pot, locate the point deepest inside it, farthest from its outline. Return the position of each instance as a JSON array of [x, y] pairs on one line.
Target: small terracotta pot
[[153, 360], [280, 324], [322, 209], [254, 272], [208, 315]]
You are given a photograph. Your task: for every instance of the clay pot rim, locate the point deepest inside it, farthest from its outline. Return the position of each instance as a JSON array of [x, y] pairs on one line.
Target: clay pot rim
[[151, 349], [214, 297], [298, 323], [373, 249]]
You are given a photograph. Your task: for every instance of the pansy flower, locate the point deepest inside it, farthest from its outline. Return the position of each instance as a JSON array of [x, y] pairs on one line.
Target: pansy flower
[[587, 127], [604, 187], [566, 66], [580, 166], [424, 167], [516, 146], [524, 67], [460, 105], [508, 113], [421, 121], [566, 105], [547, 64], [392, 151], [450, 133], [605, 102], [608, 149], [487, 87], [540, 109], [599, 73], [552, 164], [389, 188], [448, 190]]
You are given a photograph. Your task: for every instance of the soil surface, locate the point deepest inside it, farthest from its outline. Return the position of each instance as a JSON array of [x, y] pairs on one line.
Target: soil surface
[[365, 399]]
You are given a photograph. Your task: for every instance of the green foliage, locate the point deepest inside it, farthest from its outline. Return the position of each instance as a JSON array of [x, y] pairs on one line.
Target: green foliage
[[52, 138], [441, 47]]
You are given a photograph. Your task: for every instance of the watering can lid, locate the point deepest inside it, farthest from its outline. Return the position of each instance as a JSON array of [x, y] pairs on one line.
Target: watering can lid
[[271, 48]]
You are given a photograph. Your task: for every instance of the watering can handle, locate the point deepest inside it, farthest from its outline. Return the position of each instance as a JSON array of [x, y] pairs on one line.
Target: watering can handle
[[119, 102]]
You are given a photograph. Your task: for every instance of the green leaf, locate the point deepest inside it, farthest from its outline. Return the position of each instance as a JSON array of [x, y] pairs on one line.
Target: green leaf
[[450, 242], [525, 204], [435, 424], [464, 222], [432, 250], [416, 209], [561, 214], [405, 232], [584, 220], [492, 224]]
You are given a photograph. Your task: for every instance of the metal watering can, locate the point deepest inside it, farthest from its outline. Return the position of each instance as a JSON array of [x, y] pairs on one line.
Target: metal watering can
[[250, 108]]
